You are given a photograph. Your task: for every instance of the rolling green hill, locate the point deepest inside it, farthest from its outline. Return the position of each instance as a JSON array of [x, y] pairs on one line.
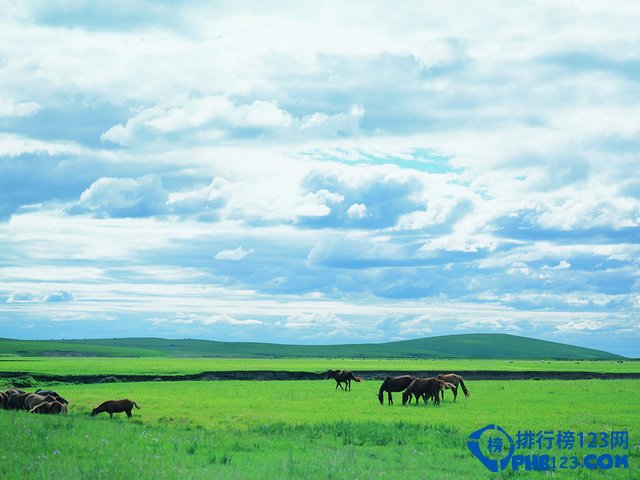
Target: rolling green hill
[[480, 345]]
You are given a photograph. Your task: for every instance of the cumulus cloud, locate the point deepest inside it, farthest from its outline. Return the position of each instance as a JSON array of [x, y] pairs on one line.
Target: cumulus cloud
[[375, 196], [318, 204], [357, 211], [323, 321], [204, 203], [438, 158], [228, 319], [579, 326], [234, 255], [341, 124], [124, 197], [40, 297], [216, 114], [9, 108]]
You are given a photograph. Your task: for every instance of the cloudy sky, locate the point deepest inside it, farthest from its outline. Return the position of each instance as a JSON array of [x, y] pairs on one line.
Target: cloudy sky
[[319, 172]]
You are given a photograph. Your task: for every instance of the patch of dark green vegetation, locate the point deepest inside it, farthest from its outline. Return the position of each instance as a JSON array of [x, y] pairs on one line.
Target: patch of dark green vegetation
[[488, 346]]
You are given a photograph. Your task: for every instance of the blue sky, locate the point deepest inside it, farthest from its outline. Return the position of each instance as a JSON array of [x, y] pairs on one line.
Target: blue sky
[[320, 172]]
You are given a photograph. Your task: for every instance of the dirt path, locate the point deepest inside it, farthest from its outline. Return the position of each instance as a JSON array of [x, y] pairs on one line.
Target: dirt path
[[263, 375]]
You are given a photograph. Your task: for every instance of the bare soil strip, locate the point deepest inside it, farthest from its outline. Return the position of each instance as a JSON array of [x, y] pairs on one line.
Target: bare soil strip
[[267, 375]]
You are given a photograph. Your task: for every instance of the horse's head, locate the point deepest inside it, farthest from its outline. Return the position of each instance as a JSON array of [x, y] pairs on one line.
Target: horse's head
[[93, 412], [331, 374], [405, 396]]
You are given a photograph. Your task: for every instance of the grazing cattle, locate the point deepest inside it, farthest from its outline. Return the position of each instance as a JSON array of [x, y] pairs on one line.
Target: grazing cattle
[[115, 406], [32, 400], [394, 384], [16, 402], [455, 380], [342, 376], [425, 388], [54, 407]]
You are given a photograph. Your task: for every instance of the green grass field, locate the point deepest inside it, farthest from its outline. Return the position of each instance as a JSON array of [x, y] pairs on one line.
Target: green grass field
[[180, 366], [301, 429]]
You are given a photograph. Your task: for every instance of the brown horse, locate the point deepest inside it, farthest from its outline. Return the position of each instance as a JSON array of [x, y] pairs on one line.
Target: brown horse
[[423, 387], [49, 407], [394, 384], [16, 401], [33, 400], [342, 376], [115, 406], [455, 380]]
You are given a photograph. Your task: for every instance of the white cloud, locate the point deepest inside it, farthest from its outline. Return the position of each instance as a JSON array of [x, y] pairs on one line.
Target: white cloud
[[54, 296], [357, 211], [233, 255], [481, 162], [124, 197], [417, 327], [317, 204], [563, 265], [228, 320], [579, 326], [18, 109], [213, 113], [316, 320]]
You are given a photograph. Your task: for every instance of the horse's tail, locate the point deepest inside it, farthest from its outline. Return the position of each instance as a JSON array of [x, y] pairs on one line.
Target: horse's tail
[[464, 388], [135, 404]]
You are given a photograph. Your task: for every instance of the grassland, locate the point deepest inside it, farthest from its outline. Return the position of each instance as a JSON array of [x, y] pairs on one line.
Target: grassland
[[181, 366], [492, 346], [302, 429]]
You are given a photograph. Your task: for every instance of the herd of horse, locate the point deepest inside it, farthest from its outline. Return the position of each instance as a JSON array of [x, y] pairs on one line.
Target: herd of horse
[[49, 402], [410, 386], [41, 401]]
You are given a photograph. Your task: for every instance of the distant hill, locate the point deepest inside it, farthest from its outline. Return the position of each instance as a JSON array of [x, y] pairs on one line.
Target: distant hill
[[479, 345]]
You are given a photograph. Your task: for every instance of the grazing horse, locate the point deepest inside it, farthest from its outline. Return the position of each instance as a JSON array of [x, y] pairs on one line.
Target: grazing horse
[[115, 406], [33, 400], [342, 376], [425, 388], [16, 401], [49, 407], [394, 384], [53, 394], [455, 380]]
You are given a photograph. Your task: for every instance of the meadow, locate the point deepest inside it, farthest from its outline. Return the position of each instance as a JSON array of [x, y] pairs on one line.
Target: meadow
[[183, 366], [302, 429]]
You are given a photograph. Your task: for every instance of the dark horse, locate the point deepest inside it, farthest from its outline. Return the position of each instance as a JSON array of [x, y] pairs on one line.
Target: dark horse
[[455, 380], [394, 384], [342, 376], [423, 387]]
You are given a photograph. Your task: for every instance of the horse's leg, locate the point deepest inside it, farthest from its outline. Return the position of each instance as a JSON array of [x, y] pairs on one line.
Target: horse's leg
[[390, 397], [348, 385], [455, 393]]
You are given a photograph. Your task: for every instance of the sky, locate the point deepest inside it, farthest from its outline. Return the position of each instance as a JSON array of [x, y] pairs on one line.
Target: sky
[[320, 172]]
